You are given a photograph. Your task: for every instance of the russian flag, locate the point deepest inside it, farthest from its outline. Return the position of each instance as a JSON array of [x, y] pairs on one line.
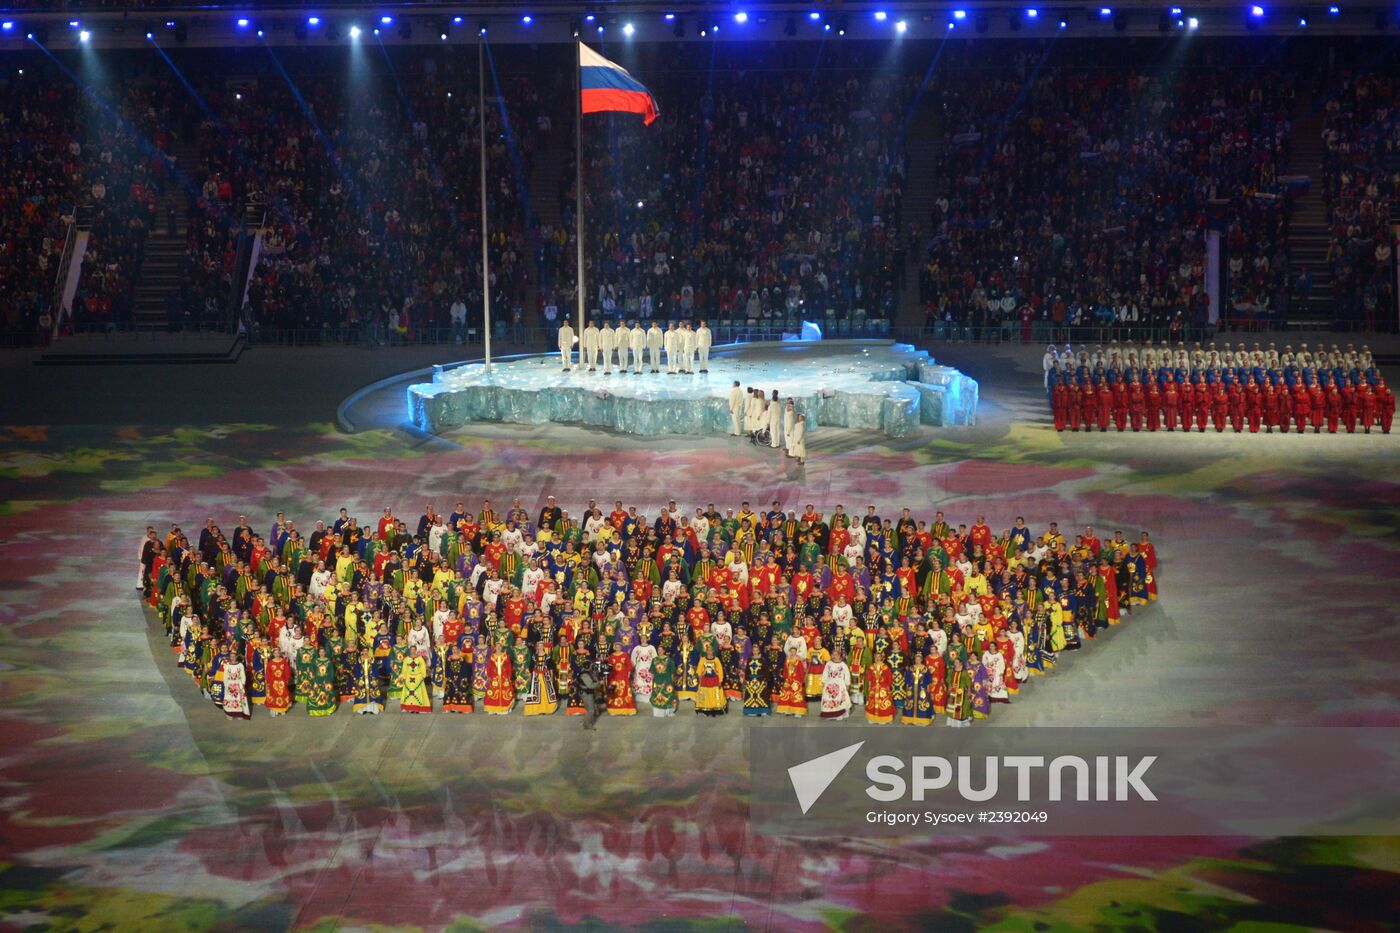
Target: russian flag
[[607, 87]]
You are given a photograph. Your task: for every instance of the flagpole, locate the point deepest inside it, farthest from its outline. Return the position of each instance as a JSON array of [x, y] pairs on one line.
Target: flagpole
[[578, 177], [485, 241]]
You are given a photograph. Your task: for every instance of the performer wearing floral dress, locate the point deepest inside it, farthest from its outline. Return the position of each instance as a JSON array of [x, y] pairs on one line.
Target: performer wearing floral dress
[[500, 683], [620, 701], [279, 684], [836, 687], [643, 657], [710, 700], [235, 696], [792, 696], [457, 680], [879, 691], [369, 689], [321, 697]]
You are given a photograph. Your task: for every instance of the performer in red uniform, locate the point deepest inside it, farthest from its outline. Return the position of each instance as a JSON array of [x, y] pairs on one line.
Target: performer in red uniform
[[1105, 406], [1366, 404], [1153, 397], [1220, 405], [1333, 402], [1348, 392], [1171, 400], [1385, 400], [1120, 407], [1188, 405], [1059, 404], [1302, 406], [1075, 402], [1285, 408], [1202, 404], [1318, 403], [1269, 402], [1137, 405], [1253, 405], [1234, 400], [1090, 395]]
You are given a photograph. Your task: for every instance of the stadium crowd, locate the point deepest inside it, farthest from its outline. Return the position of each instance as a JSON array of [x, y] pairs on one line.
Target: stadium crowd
[[1074, 196], [771, 188]]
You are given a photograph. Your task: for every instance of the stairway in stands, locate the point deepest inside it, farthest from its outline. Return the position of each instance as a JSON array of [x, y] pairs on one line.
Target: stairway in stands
[[922, 145], [551, 164], [1307, 231], [160, 271]]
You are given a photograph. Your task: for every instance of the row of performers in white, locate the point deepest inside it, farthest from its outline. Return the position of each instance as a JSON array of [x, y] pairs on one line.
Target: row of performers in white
[[687, 348]]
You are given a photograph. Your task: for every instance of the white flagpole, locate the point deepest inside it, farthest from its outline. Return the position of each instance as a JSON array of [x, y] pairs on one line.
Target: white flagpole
[[578, 177], [485, 242]]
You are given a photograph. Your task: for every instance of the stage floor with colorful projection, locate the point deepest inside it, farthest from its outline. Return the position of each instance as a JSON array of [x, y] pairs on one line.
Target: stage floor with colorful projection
[[874, 385]]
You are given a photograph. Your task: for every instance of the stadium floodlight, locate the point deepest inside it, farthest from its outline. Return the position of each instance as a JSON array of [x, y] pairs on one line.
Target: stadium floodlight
[[814, 16], [901, 26], [354, 32], [7, 25], [242, 22], [1193, 23], [960, 14], [741, 17], [1032, 13], [313, 21], [669, 17], [1256, 11], [527, 19], [84, 36], [150, 35], [386, 20], [627, 29], [1105, 12], [1064, 24], [1333, 10], [881, 16]]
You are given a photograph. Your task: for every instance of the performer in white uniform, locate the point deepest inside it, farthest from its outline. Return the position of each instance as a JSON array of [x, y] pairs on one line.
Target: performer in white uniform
[[775, 421], [637, 340], [607, 340], [655, 339], [702, 346], [736, 410], [687, 345], [588, 345], [789, 419], [566, 345], [673, 350], [797, 443]]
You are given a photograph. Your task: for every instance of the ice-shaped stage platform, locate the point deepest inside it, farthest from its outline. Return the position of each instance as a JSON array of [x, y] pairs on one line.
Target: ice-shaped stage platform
[[872, 384]]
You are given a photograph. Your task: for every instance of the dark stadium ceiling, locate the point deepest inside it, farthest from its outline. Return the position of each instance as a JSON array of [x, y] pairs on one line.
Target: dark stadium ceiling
[[81, 24]]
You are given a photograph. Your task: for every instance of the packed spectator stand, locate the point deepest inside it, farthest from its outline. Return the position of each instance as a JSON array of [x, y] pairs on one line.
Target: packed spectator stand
[[1066, 195]]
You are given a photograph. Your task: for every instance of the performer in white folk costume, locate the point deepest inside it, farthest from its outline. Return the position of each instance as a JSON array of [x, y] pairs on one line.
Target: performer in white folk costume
[[656, 338], [789, 419], [637, 341], [588, 345], [797, 441], [566, 345], [836, 687], [672, 348], [736, 410], [607, 341], [1048, 362], [703, 339], [775, 421]]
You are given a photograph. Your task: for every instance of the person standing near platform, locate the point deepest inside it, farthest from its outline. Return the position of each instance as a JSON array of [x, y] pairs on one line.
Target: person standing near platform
[[588, 344], [566, 345], [797, 443], [775, 421], [703, 340], [672, 344], [686, 343], [607, 342], [656, 339], [736, 409], [637, 341]]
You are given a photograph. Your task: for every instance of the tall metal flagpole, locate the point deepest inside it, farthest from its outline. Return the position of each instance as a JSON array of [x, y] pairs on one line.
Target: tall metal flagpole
[[578, 178], [485, 242]]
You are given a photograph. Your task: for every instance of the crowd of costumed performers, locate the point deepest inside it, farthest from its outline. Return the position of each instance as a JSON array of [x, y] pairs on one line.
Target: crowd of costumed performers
[[804, 614], [1146, 388]]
